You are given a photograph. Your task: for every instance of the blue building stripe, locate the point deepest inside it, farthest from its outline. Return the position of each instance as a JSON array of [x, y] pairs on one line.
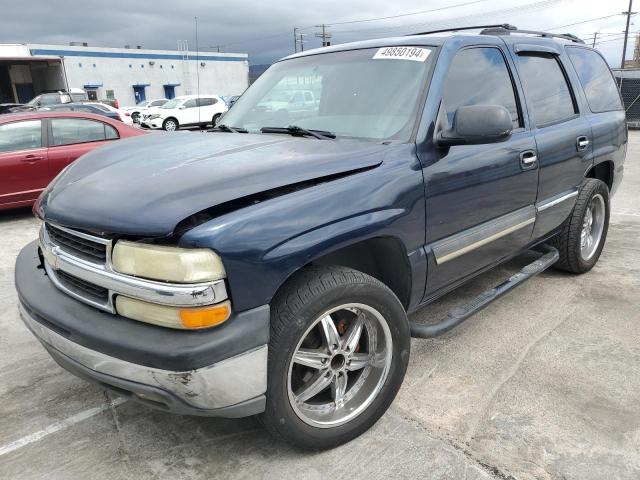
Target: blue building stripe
[[146, 56]]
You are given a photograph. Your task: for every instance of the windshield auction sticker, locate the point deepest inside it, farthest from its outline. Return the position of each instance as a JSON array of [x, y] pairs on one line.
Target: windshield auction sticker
[[415, 54]]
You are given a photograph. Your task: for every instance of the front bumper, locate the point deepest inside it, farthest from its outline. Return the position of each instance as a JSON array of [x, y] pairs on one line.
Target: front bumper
[[155, 123], [216, 372]]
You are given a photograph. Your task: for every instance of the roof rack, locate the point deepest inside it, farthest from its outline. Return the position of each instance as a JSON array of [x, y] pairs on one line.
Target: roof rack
[[505, 29]]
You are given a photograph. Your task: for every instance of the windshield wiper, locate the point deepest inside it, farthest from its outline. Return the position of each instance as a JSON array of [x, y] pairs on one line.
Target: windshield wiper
[[226, 128], [299, 131]]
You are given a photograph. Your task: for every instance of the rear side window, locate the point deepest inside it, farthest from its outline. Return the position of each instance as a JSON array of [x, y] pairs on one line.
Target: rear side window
[[479, 76], [205, 102], [596, 80], [68, 131], [549, 97], [20, 136]]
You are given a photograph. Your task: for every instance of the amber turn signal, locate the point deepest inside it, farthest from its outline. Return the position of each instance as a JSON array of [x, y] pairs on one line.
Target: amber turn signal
[[204, 317]]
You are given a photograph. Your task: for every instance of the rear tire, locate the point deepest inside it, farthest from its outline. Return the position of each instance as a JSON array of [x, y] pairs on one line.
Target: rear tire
[[170, 125], [215, 119], [135, 117], [357, 373], [584, 233]]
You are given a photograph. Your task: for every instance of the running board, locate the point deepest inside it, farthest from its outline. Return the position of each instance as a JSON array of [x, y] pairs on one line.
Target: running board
[[463, 312]]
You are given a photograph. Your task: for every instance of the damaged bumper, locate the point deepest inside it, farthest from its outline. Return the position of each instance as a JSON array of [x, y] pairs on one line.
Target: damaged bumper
[[221, 372]]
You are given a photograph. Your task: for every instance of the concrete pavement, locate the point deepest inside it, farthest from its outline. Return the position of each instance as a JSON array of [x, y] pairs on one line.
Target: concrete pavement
[[543, 384]]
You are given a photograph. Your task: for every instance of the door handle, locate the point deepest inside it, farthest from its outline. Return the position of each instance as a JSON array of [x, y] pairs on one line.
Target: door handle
[[528, 159], [582, 142], [32, 158]]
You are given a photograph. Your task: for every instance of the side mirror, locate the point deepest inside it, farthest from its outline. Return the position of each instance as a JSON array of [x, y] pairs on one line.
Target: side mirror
[[181, 107], [477, 124]]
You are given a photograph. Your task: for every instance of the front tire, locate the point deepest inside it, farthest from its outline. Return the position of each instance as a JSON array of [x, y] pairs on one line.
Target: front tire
[[170, 125], [584, 233], [338, 353]]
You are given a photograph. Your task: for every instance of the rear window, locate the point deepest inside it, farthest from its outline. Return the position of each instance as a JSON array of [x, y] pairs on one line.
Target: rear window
[[68, 131], [596, 80], [548, 94]]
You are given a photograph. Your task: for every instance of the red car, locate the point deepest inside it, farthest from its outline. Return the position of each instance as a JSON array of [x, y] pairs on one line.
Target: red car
[[35, 147]]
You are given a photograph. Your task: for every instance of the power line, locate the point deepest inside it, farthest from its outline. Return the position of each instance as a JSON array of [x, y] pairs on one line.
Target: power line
[[421, 12], [460, 21], [268, 37], [585, 21]]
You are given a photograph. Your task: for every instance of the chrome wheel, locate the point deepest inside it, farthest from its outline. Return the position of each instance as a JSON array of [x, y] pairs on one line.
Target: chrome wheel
[[592, 227], [340, 365]]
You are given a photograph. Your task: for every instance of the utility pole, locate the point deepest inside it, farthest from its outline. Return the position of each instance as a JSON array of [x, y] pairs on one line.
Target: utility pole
[[628, 13], [301, 40], [324, 35], [295, 39], [217, 47], [595, 35]]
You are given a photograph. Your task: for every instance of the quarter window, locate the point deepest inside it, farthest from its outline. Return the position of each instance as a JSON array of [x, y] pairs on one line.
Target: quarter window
[[20, 136], [549, 97], [479, 76], [68, 131], [596, 80], [204, 102]]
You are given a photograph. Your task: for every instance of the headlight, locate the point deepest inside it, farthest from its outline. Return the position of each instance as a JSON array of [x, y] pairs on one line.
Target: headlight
[[188, 318], [152, 117], [170, 264]]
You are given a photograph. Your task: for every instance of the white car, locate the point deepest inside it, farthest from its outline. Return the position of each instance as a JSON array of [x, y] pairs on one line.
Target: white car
[[135, 111], [185, 111]]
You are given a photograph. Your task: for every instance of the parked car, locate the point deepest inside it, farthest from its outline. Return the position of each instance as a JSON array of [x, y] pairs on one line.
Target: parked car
[[6, 107], [112, 102], [51, 98], [269, 267], [135, 111], [185, 111], [95, 108], [35, 147]]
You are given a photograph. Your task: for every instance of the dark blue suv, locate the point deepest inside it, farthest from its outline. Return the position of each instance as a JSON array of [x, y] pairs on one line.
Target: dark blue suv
[[268, 267]]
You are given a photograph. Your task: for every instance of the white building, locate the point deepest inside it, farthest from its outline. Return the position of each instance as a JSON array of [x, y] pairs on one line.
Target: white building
[[127, 74]]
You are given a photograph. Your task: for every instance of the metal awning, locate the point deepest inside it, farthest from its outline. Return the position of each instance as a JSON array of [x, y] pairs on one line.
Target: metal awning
[[141, 85], [92, 85], [171, 85]]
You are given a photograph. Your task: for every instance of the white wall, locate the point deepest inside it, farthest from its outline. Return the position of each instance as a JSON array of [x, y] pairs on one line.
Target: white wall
[[226, 74]]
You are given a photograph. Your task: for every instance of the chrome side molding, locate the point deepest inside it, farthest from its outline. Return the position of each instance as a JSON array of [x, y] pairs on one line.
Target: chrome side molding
[[555, 200], [475, 237]]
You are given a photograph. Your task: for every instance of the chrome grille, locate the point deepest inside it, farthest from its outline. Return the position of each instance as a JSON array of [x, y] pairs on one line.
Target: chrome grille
[[84, 288], [83, 247], [80, 265]]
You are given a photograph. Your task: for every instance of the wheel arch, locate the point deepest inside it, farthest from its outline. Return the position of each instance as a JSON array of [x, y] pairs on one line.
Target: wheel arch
[[170, 118], [603, 171], [383, 257]]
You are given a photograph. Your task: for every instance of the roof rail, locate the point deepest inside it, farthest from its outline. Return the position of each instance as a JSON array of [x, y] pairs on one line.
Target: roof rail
[[507, 29]]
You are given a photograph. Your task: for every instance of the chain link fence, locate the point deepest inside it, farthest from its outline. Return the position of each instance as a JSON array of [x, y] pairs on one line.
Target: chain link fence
[[628, 81]]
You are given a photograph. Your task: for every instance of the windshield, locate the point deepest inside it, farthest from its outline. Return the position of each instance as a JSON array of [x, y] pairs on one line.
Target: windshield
[[144, 103], [172, 103], [370, 94]]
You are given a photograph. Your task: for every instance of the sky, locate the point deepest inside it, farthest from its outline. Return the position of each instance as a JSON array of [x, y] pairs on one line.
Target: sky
[[264, 29]]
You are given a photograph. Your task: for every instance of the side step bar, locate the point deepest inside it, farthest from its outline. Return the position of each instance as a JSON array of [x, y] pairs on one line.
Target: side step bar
[[463, 312]]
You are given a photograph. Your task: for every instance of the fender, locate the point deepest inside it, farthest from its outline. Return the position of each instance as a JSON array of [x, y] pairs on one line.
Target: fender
[[261, 245]]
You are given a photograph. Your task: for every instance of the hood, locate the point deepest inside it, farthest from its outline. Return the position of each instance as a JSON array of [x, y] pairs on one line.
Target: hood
[[145, 185]]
